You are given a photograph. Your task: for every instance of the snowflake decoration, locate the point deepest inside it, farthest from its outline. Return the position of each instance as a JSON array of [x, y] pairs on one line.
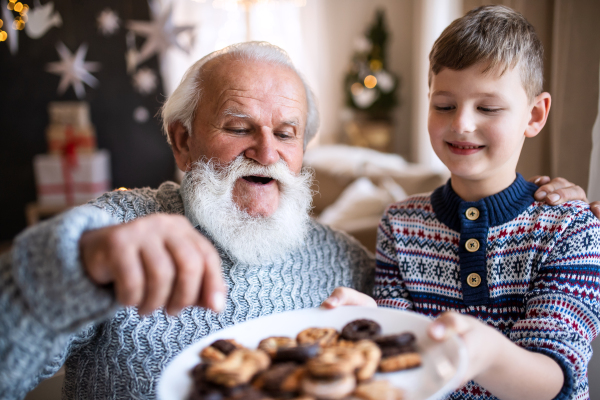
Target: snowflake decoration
[[108, 22], [145, 80], [74, 70], [160, 34]]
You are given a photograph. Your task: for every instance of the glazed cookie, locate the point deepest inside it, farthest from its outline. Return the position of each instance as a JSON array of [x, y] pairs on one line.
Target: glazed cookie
[[238, 367], [219, 350], [378, 390], [361, 329], [299, 354], [323, 336], [335, 362], [400, 362], [280, 379], [328, 389]]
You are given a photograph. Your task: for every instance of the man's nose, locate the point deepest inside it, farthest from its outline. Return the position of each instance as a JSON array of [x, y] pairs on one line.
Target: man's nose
[[263, 148], [463, 121]]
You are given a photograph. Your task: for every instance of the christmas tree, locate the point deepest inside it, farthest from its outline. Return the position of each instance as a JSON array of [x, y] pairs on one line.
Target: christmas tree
[[370, 87]]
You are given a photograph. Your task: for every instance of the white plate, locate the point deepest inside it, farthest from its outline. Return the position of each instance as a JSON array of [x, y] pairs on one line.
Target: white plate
[[444, 364]]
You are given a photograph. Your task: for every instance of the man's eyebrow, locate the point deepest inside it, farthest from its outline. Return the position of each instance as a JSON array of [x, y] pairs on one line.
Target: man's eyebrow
[[234, 112], [291, 122]]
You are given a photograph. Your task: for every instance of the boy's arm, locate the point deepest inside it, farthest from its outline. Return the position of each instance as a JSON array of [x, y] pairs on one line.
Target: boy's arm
[[390, 290], [548, 351]]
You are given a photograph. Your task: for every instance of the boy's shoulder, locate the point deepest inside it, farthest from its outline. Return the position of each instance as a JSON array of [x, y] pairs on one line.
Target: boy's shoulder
[[560, 217], [414, 204]]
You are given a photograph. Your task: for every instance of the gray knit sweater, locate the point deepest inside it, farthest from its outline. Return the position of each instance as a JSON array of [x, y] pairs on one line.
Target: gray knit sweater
[[52, 314]]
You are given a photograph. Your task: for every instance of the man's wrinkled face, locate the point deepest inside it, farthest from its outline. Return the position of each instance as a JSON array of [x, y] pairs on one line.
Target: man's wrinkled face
[[253, 109]]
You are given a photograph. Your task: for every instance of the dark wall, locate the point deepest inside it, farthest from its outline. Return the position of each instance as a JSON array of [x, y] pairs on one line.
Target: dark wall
[[140, 155]]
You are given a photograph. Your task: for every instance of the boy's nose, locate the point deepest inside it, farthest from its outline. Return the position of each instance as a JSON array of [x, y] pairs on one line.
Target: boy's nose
[[263, 148], [463, 121]]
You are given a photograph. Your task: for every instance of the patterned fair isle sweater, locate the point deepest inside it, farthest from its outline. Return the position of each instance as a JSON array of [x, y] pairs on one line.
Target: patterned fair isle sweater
[[53, 314], [532, 271]]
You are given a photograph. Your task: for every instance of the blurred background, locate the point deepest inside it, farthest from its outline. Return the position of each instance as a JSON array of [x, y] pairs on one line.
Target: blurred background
[[82, 81]]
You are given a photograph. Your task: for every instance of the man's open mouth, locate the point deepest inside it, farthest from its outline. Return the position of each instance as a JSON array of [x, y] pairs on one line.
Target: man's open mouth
[[263, 180]]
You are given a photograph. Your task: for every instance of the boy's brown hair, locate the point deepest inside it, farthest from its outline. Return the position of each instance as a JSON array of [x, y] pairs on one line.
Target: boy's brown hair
[[496, 35]]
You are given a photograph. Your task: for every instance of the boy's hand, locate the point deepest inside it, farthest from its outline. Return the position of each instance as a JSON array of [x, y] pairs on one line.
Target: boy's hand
[[481, 340], [494, 360], [343, 296]]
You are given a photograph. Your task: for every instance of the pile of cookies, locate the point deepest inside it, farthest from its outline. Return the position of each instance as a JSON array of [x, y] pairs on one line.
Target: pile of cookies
[[320, 363]]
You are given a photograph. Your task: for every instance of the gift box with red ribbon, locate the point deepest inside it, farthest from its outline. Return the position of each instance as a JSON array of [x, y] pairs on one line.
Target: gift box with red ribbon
[[70, 179], [70, 126]]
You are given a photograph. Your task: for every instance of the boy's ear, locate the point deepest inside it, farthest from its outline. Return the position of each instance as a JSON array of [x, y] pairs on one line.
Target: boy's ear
[[180, 145], [539, 114]]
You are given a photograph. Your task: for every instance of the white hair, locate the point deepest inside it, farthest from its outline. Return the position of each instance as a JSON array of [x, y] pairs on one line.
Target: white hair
[[207, 192], [181, 106]]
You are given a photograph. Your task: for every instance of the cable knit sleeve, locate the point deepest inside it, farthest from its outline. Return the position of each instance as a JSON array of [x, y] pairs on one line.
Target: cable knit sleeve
[[46, 297], [562, 309], [390, 290]]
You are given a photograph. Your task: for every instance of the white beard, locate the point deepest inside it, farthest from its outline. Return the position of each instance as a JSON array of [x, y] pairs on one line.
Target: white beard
[[207, 194]]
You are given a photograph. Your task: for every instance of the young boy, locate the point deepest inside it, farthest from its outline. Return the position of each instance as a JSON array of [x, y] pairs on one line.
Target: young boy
[[522, 278]]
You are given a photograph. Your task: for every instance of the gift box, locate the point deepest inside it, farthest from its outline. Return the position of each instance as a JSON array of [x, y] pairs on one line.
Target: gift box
[[76, 113], [81, 138], [71, 179], [70, 128]]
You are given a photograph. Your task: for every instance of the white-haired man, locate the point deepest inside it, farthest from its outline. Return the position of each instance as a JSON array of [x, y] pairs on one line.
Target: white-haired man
[[238, 125]]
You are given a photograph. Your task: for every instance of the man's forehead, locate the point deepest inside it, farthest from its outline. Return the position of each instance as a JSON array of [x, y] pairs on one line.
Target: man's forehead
[[248, 81]]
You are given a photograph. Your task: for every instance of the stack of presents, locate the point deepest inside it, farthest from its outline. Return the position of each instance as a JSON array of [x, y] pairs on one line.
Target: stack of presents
[[74, 171]]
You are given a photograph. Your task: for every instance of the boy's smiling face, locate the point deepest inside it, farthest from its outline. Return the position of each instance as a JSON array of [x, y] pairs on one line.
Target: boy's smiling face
[[477, 125]]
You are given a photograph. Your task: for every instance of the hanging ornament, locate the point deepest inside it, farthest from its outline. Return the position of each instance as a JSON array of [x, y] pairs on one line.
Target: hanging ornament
[[160, 34], [141, 115], [12, 37], [108, 22], [364, 98], [73, 69], [385, 81], [144, 81], [41, 18]]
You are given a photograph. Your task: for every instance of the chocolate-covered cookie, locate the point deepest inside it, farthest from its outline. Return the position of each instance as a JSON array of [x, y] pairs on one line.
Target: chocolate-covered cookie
[[361, 329]]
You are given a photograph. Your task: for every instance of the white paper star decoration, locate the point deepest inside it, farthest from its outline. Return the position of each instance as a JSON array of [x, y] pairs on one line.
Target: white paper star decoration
[[160, 34], [73, 69], [40, 19], [144, 81], [108, 22]]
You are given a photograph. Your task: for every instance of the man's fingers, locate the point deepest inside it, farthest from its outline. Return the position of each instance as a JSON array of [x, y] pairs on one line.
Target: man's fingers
[[129, 278], [595, 206], [189, 266], [213, 290], [539, 179], [343, 296], [160, 275]]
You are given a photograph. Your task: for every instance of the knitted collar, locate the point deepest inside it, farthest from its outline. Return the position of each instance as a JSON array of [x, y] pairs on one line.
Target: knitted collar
[[501, 207]]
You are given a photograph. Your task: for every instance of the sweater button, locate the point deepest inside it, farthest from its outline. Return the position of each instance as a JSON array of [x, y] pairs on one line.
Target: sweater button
[[472, 213], [473, 280], [472, 245]]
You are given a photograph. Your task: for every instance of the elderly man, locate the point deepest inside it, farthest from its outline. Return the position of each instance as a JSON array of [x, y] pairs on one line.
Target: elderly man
[[238, 124]]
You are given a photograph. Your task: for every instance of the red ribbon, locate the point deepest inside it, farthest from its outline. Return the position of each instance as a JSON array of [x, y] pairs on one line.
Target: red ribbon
[[70, 162]]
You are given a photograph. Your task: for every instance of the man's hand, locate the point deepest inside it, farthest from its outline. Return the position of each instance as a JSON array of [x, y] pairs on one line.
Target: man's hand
[[559, 190], [343, 296], [155, 261], [494, 360]]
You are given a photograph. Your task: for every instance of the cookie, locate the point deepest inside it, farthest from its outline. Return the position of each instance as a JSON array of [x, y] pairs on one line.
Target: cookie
[[400, 362], [323, 336], [328, 389], [377, 390], [299, 354], [274, 343], [335, 362], [238, 367], [371, 355], [361, 329], [219, 350], [280, 379], [400, 340]]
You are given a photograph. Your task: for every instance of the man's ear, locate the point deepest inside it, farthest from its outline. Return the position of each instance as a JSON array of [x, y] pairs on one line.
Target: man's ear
[[539, 114], [180, 145]]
